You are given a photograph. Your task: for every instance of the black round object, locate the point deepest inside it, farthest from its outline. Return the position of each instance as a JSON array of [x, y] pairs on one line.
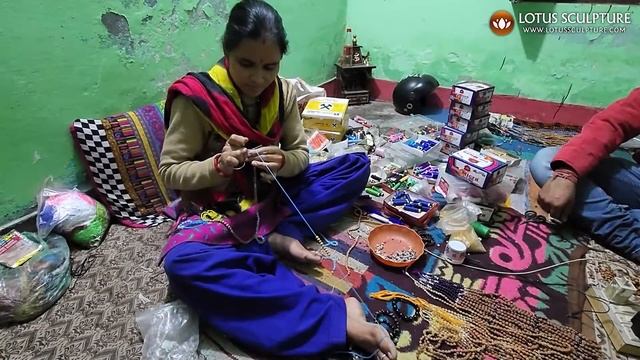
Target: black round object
[[412, 312], [411, 94], [389, 321]]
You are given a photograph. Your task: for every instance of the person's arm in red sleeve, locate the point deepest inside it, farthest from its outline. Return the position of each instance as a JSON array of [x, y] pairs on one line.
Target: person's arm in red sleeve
[[601, 136]]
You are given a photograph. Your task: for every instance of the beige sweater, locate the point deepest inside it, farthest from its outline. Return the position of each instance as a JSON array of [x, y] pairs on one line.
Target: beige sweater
[[186, 162]]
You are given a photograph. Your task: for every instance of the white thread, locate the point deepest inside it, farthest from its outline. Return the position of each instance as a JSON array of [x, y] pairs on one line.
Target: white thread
[[523, 272], [314, 233]]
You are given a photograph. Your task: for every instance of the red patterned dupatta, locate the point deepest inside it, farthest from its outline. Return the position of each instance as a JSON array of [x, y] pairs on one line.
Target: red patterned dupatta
[[217, 97], [215, 94]]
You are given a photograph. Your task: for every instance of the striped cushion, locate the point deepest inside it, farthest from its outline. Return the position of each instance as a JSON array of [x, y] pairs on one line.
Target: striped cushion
[[121, 154]]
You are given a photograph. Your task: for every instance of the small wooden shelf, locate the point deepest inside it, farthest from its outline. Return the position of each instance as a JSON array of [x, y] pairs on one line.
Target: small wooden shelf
[[355, 82]]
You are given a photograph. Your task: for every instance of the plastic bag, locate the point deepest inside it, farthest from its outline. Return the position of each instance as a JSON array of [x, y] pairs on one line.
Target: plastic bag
[[305, 92], [72, 213], [454, 188], [170, 331], [33, 287], [456, 219]]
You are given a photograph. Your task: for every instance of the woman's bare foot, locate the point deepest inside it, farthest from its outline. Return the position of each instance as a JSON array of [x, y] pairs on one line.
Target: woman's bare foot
[[368, 336], [291, 248], [354, 309]]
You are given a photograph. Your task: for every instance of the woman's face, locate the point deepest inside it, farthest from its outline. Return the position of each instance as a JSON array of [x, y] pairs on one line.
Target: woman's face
[[254, 65]]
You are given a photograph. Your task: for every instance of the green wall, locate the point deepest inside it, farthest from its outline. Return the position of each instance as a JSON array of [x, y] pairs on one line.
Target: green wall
[[63, 60], [91, 59], [451, 40]]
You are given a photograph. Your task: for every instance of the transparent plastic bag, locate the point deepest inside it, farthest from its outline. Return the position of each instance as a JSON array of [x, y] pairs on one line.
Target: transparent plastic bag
[[71, 213], [170, 331], [456, 219], [456, 188], [33, 287], [305, 92], [458, 216]]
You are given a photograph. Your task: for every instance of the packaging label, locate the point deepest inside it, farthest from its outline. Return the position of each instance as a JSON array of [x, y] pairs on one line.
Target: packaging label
[[472, 92], [472, 175], [484, 162], [16, 249], [326, 108], [467, 112], [457, 138]]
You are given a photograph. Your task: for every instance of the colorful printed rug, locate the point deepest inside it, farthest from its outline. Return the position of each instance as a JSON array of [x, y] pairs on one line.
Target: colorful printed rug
[[514, 245]]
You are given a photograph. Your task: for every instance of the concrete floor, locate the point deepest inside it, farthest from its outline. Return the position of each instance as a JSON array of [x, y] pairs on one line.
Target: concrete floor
[[375, 110]]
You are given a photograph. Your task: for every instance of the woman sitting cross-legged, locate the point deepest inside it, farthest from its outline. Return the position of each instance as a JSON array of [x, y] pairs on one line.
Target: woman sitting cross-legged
[[228, 131]]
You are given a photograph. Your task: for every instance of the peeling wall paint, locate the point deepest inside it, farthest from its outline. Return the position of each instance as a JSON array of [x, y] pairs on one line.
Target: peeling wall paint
[[452, 41], [112, 56]]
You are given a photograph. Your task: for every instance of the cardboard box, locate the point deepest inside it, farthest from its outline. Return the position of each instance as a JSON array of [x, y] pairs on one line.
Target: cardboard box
[[460, 124], [325, 113], [472, 92], [449, 149], [477, 169], [457, 138], [486, 212], [616, 320], [468, 112], [501, 155], [420, 219], [335, 136]]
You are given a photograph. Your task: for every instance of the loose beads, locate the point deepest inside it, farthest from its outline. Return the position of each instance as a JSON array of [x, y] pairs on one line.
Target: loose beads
[[411, 315], [399, 256], [390, 322]]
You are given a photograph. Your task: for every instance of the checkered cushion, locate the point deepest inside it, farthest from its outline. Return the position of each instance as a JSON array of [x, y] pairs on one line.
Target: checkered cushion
[[121, 154]]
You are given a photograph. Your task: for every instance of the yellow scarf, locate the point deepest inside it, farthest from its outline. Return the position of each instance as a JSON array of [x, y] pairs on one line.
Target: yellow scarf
[[270, 107]]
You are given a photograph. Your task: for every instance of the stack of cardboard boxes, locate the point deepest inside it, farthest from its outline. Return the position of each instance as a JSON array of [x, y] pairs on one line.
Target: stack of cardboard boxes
[[468, 114]]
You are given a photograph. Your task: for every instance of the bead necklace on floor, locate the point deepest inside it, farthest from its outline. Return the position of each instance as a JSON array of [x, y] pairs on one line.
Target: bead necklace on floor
[[492, 325]]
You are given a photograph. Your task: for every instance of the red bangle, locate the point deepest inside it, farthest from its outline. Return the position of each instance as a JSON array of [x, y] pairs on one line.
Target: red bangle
[[216, 166], [566, 174]]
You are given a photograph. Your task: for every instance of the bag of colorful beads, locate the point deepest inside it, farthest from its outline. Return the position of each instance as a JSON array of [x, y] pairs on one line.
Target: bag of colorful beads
[[73, 214], [28, 290]]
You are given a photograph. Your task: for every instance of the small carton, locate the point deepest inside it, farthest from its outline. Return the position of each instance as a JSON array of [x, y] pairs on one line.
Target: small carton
[[480, 170], [449, 149], [472, 92], [326, 113], [486, 212], [334, 136], [502, 155], [317, 142], [460, 124], [457, 138], [418, 219], [469, 112]]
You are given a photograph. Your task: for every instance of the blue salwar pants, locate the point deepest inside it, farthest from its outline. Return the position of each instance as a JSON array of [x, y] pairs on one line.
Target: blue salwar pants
[[246, 293]]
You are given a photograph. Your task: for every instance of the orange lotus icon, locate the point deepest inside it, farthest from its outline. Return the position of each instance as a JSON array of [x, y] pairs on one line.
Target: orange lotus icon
[[502, 23]]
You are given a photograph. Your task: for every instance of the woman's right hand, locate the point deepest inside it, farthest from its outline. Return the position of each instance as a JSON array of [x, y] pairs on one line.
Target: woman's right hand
[[234, 154]]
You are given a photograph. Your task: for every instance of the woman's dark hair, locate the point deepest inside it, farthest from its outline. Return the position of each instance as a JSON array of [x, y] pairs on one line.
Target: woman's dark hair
[[254, 19]]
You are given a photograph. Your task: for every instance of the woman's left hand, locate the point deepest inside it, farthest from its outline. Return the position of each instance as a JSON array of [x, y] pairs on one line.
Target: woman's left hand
[[271, 157]]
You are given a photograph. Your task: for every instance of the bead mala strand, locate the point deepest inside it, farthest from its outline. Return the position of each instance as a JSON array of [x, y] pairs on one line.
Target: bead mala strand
[[498, 327], [506, 309], [499, 308]]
